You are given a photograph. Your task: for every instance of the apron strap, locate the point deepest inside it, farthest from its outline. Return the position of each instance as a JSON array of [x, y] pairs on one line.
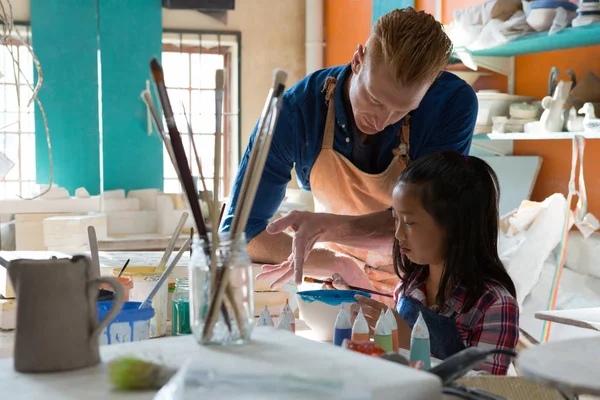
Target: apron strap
[[402, 150], [328, 133]]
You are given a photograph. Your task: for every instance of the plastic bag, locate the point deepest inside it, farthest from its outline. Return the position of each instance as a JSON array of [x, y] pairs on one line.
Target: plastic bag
[[195, 381], [527, 237]]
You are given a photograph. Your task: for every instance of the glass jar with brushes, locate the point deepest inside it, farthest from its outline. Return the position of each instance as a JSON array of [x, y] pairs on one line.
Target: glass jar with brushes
[[221, 292], [180, 316]]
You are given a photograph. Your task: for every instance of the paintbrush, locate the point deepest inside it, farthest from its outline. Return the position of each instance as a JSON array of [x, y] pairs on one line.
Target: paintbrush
[[221, 215], [198, 162], [219, 86], [159, 127], [314, 280], [187, 182], [123, 269], [185, 175], [258, 156], [166, 273], [172, 242]]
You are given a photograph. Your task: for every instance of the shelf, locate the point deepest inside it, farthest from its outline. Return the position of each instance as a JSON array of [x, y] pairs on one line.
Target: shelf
[[495, 58], [535, 136]]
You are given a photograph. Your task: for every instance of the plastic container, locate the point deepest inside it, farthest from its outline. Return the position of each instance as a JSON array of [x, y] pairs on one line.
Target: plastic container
[[127, 285], [143, 278], [142, 286], [132, 324]]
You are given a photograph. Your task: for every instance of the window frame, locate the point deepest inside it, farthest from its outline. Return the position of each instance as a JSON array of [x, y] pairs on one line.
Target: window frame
[[23, 182], [225, 187]]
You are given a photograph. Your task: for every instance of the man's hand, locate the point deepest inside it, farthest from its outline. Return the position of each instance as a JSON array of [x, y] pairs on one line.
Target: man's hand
[[309, 228], [328, 264]]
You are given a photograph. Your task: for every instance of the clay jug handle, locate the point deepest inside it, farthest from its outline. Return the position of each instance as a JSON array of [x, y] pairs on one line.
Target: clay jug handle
[[118, 302]]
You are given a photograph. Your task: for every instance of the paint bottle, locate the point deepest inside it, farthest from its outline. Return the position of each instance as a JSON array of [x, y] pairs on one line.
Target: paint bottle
[[360, 329], [287, 311], [343, 327], [265, 318], [284, 322], [394, 327], [383, 333], [420, 349]]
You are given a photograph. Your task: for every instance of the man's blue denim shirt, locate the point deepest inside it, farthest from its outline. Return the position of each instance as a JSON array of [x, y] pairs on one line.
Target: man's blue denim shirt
[[445, 120]]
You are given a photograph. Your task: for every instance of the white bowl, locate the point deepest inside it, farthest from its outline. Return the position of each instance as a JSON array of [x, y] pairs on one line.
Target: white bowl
[[319, 309], [541, 19]]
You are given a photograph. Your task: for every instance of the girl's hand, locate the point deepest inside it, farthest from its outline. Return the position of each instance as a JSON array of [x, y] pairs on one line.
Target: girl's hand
[[336, 282]]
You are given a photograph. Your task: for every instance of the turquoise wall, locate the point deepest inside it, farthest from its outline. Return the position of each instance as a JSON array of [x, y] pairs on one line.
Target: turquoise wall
[[130, 35], [66, 35], [65, 39], [381, 7]]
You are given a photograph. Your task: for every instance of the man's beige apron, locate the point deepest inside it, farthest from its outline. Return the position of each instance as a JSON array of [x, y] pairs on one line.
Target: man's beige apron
[[339, 187]]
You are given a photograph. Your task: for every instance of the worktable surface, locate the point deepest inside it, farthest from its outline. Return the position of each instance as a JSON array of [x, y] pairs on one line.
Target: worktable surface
[[569, 365], [271, 351]]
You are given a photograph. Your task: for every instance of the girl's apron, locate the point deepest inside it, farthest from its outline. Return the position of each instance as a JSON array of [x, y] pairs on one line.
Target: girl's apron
[[339, 187], [444, 336]]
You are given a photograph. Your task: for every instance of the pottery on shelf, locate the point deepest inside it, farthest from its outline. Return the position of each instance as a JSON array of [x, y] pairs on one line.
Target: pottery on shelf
[[553, 117], [575, 121], [590, 122]]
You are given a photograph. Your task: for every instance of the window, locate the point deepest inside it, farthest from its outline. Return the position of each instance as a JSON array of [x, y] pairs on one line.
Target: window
[[190, 61], [17, 134]]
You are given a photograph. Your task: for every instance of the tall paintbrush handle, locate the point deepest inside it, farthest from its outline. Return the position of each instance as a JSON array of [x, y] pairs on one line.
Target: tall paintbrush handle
[[172, 242], [166, 273]]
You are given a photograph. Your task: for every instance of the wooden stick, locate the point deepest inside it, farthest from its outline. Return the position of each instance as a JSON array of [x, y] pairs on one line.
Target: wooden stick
[[314, 280], [249, 186], [93, 241], [198, 164], [219, 85], [172, 242]]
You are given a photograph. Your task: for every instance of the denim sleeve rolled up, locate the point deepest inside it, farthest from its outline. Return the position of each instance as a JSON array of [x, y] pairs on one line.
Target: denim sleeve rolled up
[[444, 120]]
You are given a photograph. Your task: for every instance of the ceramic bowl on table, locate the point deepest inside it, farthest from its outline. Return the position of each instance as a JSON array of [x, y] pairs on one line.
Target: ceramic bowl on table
[[319, 309]]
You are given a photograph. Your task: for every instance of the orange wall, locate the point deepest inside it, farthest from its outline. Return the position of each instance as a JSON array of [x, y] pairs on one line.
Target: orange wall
[[532, 79], [348, 24]]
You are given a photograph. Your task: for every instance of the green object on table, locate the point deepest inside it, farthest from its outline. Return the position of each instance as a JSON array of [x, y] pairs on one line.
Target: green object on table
[[180, 318]]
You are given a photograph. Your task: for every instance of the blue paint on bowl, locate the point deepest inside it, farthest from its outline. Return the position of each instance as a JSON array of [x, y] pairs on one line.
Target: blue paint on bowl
[[331, 297]]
